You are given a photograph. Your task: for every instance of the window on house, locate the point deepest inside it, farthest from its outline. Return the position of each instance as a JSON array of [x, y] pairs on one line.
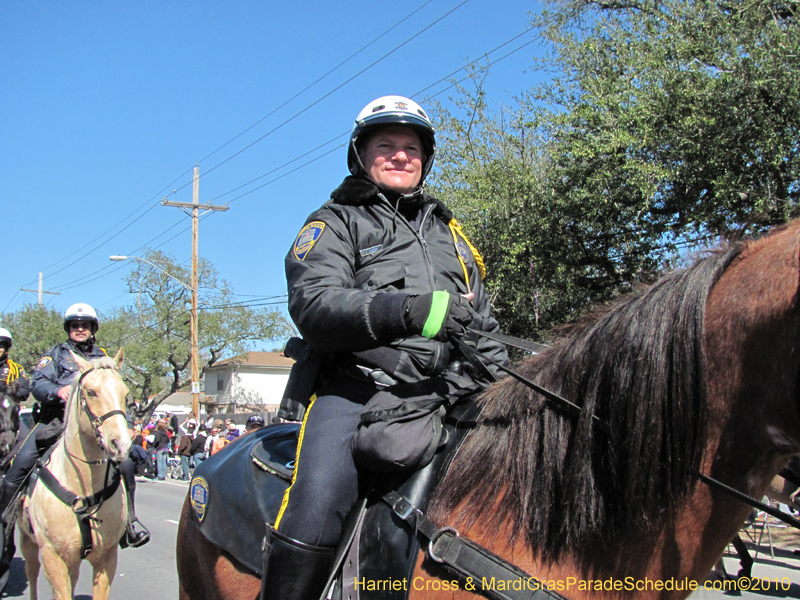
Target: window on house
[[220, 384]]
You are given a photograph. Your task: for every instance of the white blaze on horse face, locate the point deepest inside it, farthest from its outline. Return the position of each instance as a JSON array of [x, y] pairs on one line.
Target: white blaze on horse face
[[103, 397], [6, 403]]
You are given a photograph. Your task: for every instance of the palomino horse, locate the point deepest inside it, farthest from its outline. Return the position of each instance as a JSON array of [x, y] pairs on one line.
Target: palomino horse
[[96, 437], [697, 374], [9, 417]]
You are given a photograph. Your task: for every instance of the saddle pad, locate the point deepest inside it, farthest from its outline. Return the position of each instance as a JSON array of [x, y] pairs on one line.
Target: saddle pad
[[244, 483]]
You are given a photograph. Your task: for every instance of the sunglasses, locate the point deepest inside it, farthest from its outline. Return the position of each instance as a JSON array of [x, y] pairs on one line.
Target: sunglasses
[[80, 325]]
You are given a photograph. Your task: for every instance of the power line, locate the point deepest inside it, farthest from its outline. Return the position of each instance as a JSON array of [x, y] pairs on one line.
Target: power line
[[337, 88], [83, 280], [308, 87], [445, 78], [277, 127], [114, 226]]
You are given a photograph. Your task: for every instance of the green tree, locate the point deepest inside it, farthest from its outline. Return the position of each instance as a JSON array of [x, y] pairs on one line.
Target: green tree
[[155, 328], [670, 124], [35, 330], [684, 113]]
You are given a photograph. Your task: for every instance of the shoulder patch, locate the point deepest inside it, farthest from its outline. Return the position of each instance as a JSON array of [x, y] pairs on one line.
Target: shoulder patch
[[198, 496], [306, 239], [46, 360], [464, 251]]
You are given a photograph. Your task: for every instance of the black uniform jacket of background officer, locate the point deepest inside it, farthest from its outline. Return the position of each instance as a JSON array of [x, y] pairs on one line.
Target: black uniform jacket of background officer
[[11, 372], [357, 246], [55, 370]]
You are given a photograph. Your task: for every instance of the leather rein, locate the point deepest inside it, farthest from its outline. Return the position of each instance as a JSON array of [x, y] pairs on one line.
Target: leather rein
[[85, 507], [472, 561]]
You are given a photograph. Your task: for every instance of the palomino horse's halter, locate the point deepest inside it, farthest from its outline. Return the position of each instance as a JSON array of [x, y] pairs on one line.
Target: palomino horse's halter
[[95, 421], [86, 507]]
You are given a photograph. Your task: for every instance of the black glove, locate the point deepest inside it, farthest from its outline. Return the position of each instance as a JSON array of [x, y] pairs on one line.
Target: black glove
[[437, 316]]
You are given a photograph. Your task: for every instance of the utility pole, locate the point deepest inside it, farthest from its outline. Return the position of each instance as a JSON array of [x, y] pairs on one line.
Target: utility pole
[[195, 206], [40, 291]]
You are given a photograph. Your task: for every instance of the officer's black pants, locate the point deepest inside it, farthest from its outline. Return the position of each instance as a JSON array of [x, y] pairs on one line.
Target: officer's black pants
[[24, 461], [326, 484]]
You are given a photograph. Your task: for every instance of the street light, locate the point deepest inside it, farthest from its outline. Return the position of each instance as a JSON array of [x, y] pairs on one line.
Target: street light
[[155, 266], [193, 327]]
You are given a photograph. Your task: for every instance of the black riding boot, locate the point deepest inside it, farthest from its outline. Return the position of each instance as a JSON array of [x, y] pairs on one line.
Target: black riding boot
[[136, 534], [7, 491], [293, 570]]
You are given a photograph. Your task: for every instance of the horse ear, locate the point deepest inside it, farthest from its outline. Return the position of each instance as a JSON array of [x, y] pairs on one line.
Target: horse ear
[[83, 365], [120, 357]]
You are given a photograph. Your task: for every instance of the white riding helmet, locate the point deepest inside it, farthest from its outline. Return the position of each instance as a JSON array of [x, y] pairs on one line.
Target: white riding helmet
[[384, 112], [5, 337], [81, 312]]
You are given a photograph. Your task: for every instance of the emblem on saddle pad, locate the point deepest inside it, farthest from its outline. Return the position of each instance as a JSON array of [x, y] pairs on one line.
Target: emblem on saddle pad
[[198, 496]]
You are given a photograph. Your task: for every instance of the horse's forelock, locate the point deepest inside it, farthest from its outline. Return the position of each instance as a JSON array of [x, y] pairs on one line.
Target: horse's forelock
[[104, 362], [640, 368]]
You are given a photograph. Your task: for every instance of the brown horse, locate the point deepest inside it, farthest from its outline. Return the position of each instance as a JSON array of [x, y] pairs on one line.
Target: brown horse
[[696, 374], [96, 432]]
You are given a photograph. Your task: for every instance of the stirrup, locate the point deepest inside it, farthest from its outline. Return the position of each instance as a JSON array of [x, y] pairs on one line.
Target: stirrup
[[133, 538]]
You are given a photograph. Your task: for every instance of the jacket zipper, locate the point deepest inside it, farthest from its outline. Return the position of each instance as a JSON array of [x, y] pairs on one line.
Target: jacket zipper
[[424, 244]]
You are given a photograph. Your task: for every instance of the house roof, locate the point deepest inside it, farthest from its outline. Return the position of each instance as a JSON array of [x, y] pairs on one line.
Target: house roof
[[255, 359]]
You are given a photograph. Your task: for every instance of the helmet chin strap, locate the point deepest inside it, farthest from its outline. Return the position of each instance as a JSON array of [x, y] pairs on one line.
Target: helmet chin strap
[[402, 198]]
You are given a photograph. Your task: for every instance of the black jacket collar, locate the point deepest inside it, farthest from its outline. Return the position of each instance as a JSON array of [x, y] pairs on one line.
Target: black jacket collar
[[355, 191]]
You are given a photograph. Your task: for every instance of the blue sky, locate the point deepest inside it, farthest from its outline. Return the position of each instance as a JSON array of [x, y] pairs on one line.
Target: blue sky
[[105, 108]]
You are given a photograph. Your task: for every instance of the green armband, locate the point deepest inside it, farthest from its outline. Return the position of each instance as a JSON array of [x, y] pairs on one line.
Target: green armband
[[439, 305]]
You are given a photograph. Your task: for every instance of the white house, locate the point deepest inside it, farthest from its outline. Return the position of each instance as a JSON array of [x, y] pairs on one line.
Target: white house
[[251, 379]]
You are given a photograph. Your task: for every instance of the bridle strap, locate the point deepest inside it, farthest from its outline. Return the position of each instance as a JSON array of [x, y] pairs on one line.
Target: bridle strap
[[81, 505], [95, 421], [471, 561], [778, 514], [574, 411], [562, 404]]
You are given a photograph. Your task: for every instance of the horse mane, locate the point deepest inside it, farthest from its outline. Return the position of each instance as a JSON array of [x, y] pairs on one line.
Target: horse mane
[[99, 362], [560, 483]]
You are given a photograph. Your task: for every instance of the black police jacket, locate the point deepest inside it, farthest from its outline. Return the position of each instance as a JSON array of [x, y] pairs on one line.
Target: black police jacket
[[55, 370], [358, 246], [13, 375]]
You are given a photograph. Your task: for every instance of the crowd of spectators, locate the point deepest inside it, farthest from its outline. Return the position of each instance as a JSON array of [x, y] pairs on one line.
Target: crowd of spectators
[[163, 437]]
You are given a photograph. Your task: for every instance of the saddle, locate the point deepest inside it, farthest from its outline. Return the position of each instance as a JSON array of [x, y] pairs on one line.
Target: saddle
[[245, 483]]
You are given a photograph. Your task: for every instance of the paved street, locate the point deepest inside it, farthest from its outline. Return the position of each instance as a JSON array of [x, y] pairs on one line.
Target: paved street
[[146, 572], [149, 572], [776, 573]]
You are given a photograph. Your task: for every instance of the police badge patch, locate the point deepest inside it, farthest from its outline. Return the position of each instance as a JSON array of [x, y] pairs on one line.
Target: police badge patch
[[198, 496], [464, 251], [46, 360], [306, 239]]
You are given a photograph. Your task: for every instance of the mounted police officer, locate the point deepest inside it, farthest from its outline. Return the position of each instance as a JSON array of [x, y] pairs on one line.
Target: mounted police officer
[[380, 278], [13, 376], [11, 372], [52, 381]]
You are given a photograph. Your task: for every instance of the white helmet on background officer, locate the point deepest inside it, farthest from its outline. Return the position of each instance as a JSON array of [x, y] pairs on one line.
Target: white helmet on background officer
[[81, 313], [390, 111], [5, 338]]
